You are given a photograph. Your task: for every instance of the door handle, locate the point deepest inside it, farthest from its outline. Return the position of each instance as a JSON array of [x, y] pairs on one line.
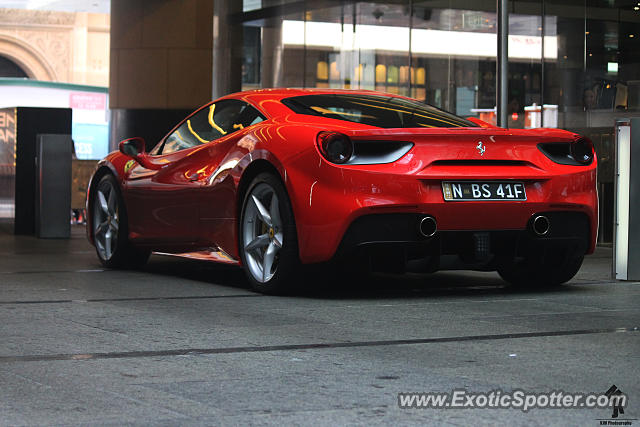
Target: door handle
[[194, 177]]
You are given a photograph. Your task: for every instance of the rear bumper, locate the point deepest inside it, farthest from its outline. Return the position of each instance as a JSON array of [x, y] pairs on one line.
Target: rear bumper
[[393, 241], [327, 203]]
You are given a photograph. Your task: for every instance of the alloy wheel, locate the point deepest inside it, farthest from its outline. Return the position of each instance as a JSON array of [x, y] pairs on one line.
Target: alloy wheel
[[106, 220], [262, 235]]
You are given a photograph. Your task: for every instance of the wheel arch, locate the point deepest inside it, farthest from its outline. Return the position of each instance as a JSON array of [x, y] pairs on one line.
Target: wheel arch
[[254, 169]]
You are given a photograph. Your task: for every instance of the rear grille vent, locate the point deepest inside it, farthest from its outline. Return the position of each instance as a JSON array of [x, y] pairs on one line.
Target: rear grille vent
[[473, 162]]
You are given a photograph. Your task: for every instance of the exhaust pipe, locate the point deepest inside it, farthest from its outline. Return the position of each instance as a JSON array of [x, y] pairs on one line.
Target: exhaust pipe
[[541, 225], [428, 226]]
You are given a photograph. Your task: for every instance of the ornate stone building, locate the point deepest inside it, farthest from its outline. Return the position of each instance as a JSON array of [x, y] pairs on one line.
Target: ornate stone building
[[57, 46]]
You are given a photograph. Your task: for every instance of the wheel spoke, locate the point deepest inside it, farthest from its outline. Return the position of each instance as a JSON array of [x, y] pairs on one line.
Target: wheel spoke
[[103, 203], [277, 240], [112, 201], [267, 261], [274, 210], [107, 244], [259, 242], [262, 211], [114, 225], [101, 228], [251, 258], [99, 235]]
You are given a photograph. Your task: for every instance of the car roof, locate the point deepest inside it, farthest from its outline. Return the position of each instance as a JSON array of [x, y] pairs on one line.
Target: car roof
[[288, 92]]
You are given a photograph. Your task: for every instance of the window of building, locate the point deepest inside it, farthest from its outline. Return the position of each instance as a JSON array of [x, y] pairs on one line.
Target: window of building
[[8, 68]]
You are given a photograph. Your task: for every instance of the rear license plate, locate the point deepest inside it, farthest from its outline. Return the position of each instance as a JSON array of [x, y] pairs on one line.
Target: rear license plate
[[455, 191]]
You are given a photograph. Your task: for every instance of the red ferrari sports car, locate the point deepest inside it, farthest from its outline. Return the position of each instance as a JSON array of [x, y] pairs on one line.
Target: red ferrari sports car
[[273, 179]]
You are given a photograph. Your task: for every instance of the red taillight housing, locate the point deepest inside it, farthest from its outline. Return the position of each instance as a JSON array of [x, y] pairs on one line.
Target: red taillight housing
[[335, 147], [582, 150]]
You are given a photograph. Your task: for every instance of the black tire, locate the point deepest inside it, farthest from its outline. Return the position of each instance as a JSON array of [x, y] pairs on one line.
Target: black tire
[[553, 268], [119, 252], [286, 262]]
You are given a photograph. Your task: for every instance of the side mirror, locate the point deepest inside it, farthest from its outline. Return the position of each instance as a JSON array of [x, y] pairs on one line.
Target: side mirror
[[135, 148], [132, 147]]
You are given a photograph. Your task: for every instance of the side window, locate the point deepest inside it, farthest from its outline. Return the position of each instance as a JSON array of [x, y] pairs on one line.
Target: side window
[[250, 116], [210, 123], [178, 140]]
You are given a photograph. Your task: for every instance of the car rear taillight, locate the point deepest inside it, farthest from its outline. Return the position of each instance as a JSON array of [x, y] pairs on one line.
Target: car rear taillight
[[335, 147], [582, 150], [578, 152]]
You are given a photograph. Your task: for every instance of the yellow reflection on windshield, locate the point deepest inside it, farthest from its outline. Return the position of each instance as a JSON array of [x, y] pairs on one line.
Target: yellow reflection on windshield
[[322, 110], [194, 133], [212, 122], [407, 112], [451, 121]]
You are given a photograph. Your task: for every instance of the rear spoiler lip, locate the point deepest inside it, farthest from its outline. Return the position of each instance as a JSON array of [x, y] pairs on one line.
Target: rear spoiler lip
[[468, 133]]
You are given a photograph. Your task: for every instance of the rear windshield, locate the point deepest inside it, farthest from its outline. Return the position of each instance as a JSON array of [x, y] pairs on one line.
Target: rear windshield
[[375, 110]]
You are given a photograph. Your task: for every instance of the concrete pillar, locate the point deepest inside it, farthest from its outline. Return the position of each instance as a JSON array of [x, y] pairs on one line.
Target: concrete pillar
[[502, 64], [271, 73], [272, 49], [160, 65], [227, 48]]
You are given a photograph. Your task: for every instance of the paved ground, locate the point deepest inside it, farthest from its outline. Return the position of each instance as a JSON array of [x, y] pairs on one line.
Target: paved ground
[[184, 342]]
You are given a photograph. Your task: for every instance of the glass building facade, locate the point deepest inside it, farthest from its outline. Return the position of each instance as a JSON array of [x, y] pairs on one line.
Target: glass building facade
[[573, 64]]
